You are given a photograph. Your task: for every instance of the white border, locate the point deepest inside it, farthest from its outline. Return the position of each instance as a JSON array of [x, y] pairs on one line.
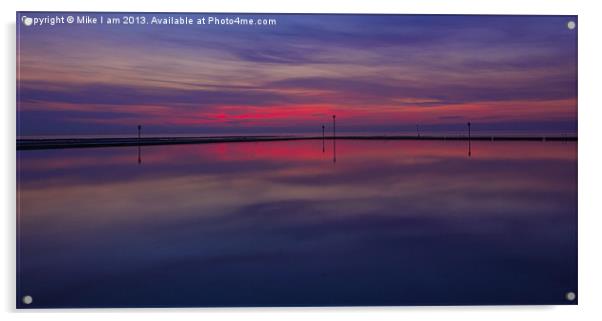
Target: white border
[[590, 211]]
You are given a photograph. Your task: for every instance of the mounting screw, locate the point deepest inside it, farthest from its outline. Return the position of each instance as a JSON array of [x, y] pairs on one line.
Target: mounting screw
[[571, 296], [27, 21], [571, 25], [27, 299]]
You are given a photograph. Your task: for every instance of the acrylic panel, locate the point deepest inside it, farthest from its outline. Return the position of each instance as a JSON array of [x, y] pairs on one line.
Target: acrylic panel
[[253, 160]]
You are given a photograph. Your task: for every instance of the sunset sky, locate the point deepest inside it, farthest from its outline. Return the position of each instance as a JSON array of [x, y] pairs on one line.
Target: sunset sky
[[377, 73]]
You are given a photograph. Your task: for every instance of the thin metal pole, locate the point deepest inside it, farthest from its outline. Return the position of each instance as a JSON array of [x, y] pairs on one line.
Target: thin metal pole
[[334, 126], [468, 130], [469, 147]]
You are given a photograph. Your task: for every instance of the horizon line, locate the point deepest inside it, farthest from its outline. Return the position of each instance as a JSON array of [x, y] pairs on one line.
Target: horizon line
[[63, 143]]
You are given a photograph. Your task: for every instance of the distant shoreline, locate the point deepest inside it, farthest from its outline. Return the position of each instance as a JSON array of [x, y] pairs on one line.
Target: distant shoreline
[[35, 144]]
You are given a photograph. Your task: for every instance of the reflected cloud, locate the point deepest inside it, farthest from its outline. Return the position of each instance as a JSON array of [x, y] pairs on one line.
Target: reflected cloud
[[231, 217]]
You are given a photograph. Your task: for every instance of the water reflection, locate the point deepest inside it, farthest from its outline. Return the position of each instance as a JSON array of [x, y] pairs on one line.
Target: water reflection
[[139, 155], [272, 223], [334, 150], [469, 148]]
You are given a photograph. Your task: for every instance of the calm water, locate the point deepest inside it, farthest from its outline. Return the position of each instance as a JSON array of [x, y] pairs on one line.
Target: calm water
[[283, 224]]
